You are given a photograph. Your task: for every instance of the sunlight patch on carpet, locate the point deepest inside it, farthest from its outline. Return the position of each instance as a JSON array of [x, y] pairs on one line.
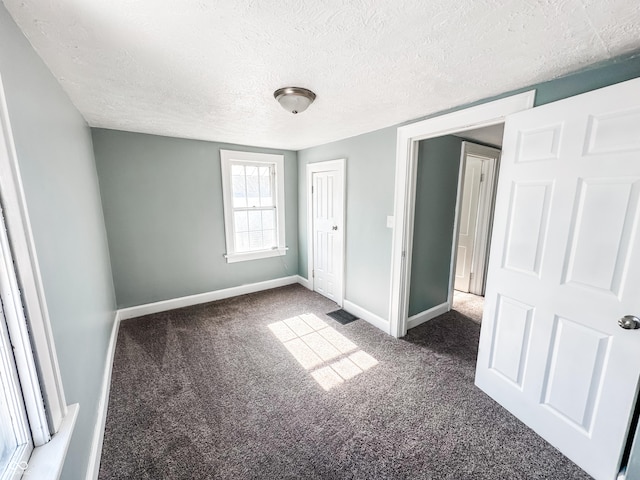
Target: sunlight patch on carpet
[[330, 357]]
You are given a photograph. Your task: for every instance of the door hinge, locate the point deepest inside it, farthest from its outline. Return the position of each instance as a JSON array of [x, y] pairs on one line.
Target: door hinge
[[313, 274], [311, 189], [481, 177], [470, 275]]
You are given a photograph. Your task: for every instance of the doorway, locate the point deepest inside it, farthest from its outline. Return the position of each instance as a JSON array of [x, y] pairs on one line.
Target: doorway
[[473, 118], [451, 222], [325, 228]]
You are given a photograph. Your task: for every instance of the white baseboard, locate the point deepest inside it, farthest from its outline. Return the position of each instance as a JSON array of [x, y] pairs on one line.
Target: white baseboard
[[98, 433], [163, 306], [304, 282], [366, 315], [427, 315]]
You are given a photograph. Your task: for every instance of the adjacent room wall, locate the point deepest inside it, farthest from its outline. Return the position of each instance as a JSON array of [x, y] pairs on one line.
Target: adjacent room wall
[[370, 169], [436, 195], [162, 200], [55, 155]]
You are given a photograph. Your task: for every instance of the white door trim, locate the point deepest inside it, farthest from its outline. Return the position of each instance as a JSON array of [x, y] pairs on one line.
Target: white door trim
[[340, 165], [456, 230], [482, 115]]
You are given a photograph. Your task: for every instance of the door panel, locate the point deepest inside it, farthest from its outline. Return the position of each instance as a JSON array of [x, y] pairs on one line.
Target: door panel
[[530, 202], [606, 211], [509, 345], [573, 378], [564, 267]]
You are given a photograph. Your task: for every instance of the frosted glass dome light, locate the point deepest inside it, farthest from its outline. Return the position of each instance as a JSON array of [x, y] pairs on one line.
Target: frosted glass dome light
[[294, 99]]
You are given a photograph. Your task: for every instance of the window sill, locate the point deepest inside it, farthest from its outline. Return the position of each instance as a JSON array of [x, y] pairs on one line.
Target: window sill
[[244, 256], [46, 461]]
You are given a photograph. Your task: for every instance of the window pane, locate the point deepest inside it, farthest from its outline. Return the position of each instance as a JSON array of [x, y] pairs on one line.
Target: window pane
[[253, 187], [255, 220], [266, 196], [268, 219], [10, 438], [255, 241], [242, 242], [269, 238], [241, 221], [8, 442], [239, 188]]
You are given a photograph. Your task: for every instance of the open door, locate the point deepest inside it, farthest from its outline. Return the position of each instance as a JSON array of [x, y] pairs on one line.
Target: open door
[[564, 269]]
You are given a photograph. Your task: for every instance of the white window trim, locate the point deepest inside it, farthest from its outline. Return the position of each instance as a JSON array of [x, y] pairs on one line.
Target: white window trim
[[227, 157], [38, 367]]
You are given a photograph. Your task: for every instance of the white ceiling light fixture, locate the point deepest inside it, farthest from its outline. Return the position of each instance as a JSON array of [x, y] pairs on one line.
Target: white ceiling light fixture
[[294, 99]]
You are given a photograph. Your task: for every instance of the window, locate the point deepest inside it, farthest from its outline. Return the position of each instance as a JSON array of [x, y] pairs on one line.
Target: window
[[33, 409], [253, 195], [15, 438], [23, 423]]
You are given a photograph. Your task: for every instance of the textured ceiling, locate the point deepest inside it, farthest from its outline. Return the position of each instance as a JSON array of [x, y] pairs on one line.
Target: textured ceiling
[[207, 69]]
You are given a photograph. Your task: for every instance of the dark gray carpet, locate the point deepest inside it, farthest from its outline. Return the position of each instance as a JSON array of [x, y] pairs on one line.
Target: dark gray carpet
[[210, 392]]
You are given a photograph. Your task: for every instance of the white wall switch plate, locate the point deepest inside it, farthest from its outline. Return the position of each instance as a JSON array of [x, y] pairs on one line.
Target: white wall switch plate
[[390, 221]]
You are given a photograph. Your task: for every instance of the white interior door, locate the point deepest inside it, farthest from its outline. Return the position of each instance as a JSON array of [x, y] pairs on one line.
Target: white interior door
[[564, 267], [468, 221], [328, 235]]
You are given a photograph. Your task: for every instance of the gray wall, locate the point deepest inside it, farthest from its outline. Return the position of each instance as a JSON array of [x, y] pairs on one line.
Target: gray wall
[[371, 176], [370, 172], [437, 182], [162, 201], [55, 154]]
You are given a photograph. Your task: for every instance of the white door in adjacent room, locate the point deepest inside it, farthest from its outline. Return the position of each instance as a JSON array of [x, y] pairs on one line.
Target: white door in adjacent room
[[564, 271], [475, 216], [327, 227], [468, 221]]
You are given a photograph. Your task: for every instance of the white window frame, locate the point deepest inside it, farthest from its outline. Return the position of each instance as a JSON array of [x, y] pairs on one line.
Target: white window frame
[[50, 420], [229, 158], [17, 421]]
